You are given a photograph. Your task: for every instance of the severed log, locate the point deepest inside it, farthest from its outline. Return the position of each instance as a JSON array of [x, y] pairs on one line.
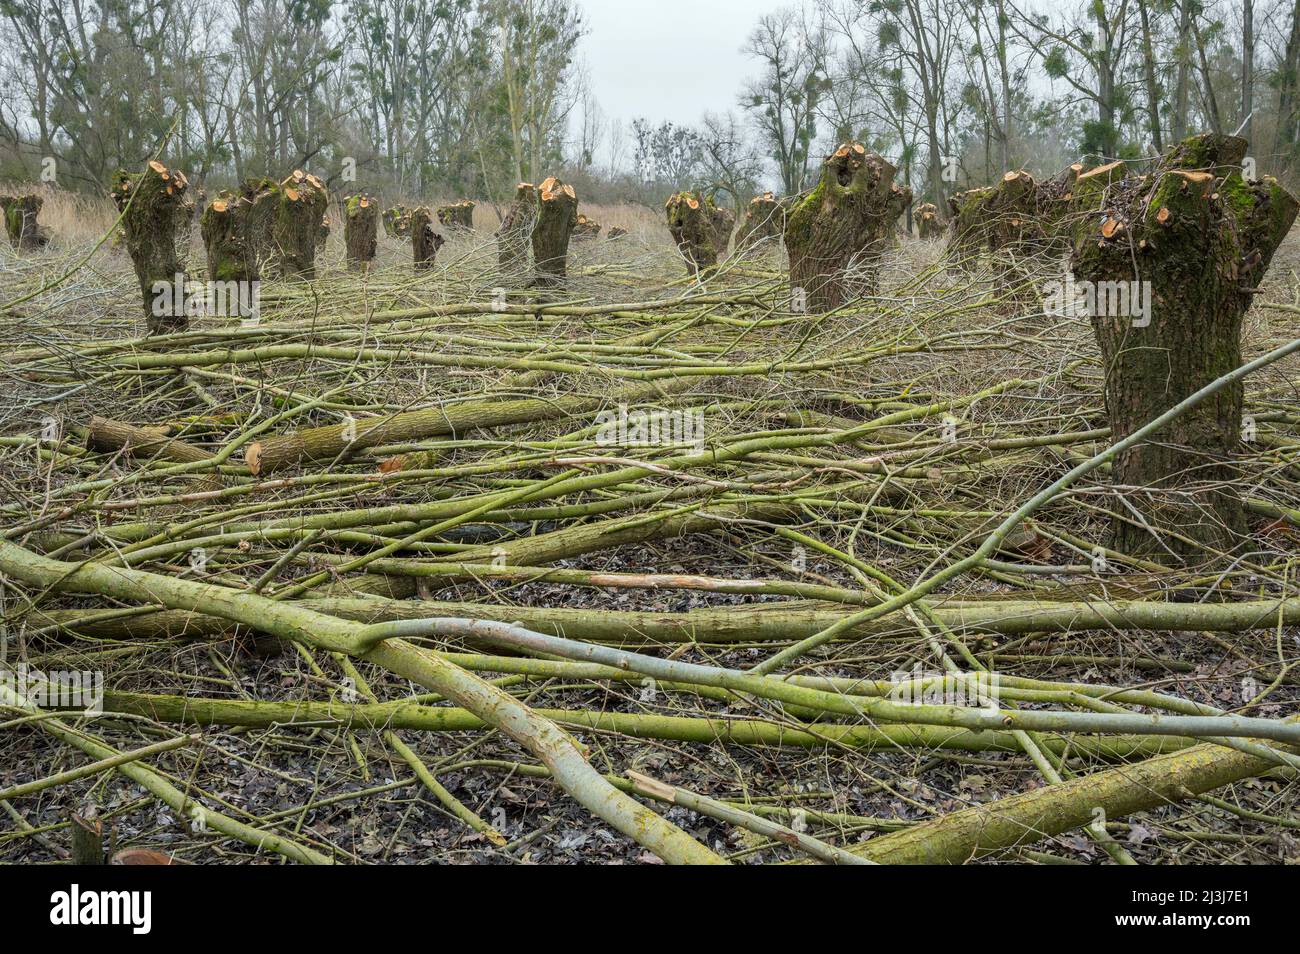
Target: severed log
[[238, 227], [425, 242], [514, 238], [20, 213], [764, 222], [845, 224], [690, 223], [156, 211], [1168, 264], [327, 443], [458, 215], [538, 735], [585, 229], [360, 222], [303, 201], [109, 436], [557, 215]]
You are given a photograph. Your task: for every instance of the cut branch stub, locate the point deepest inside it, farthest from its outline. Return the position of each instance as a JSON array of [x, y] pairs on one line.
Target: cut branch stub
[[238, 229], [690, 223], [585, 228], [397, 222], [557, 215], [458, 215], [20, 214], [514, 238], [360, 228], [425, 242], [764, 220], [1167, 265], [843, 226], [928, 225], [157, 212], [298, 217]]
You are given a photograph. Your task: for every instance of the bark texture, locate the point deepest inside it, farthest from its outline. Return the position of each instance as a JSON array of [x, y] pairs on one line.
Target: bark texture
[[585, 229], [1192, 240], [298, 216], [458, 215], [690, 223], [360, 227], [928, 225], [20, 214], [156, 211], [764, 222], [836, 234], [723, 221], [557, 215], [514, 238], [238, 229], [397, 222], [425, 242]]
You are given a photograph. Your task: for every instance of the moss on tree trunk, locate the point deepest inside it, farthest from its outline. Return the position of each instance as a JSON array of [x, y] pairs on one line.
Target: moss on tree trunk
[[156, 211], [690, 223], [837, 233], [928, 225], [557, 214], [238, 231], [425, 242], [20, 213], [397, 222], [360, 228], [1168, 263], [298, 216], [458, 215]]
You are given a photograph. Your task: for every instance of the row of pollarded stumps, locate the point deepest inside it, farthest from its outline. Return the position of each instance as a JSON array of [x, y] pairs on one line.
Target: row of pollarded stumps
[[836, 234], [1018, 216], [541, 220], [20, 212], [458, 215]]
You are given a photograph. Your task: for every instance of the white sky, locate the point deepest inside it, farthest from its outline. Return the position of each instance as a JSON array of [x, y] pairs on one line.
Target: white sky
[[668, 59]]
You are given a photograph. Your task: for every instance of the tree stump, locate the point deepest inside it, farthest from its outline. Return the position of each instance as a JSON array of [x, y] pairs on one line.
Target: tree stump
[[360, 227], [723, 221], [1168, 264], [157, 212], [928, 225], [557, 214], [690, 223], [585, 229], [764, 220], [843, 226], [458, 215], [616, 232], [238, 229], [425, 242], [20, 214], [397, 222], [515, 236], [298, 217]]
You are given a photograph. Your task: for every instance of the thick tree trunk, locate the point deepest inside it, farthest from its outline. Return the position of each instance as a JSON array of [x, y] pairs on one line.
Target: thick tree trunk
[[303, 201], [967, 227], [425, 242], [556, 217], [20, 214], [238, 229], [156, 214], [690, 223], [764, 222], [585, 229], [723, 221], [928, 225], [516, 233], [459, 215], [359, 230], [1170, 262], [837, 233]]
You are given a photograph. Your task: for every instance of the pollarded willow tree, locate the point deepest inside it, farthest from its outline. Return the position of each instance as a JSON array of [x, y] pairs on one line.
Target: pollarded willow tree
[[843, 225], [425, 241], [1171, 261], [238, 228], [764, 219], [298, 219], [516, 233], [20, 212], [692, 227], [156, 209], [557, 215], [360, 229]]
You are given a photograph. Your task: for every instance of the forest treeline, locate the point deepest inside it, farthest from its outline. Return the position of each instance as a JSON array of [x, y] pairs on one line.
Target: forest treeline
[[468, 97]]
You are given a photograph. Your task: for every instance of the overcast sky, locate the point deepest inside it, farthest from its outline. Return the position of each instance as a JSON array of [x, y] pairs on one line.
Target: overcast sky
[[647, 57]]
